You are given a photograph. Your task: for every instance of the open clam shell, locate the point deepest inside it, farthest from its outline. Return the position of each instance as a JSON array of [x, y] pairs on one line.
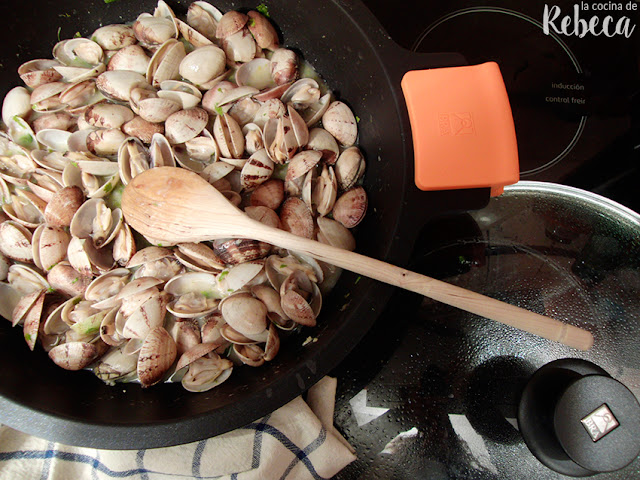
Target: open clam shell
[[186, 334], [31, 325], [88, 260], [96, 221], [38, 72], [78, 52], [323, 141], [117, 84], [239, 276], [302, 93], [197, 294], [153, 30], [115, 364], [206, 373], [198, 257], [204, 17], [349, 167], [183, 93], [15, 241], [133, 159], [104, 289], [301, 299], [147, 316], [228, 136], [164, 65], [25, 208]]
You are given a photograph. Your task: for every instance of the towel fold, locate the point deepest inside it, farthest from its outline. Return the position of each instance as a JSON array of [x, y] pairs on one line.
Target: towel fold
[[297, 441]]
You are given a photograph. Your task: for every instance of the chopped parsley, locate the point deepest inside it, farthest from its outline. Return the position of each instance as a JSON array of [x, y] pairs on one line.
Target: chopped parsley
[[108, 187], [27, 337], [75, 280], [223, 274], [357, 119], [252, 22], [263, 9], [110, 1], [26, 140], [357, 280], [283, 265], [219, 110]]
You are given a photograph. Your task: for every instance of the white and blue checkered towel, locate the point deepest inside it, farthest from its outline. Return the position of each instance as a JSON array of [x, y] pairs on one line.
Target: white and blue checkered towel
[[297, 441]]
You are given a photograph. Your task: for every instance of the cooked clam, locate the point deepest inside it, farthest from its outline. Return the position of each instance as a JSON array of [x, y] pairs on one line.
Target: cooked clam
[[213, 93]]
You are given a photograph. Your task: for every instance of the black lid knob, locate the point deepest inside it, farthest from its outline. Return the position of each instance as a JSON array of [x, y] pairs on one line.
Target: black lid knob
[[597, 421], [564, 406]]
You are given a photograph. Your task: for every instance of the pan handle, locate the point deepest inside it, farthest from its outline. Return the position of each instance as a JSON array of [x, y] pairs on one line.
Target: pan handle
[[460, 119]]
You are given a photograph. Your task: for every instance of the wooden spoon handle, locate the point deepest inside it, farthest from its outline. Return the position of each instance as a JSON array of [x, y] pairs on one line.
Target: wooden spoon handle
[[441, 291]]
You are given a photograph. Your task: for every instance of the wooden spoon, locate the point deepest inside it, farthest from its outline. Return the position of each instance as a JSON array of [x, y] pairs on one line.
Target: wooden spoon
[[173, 205]]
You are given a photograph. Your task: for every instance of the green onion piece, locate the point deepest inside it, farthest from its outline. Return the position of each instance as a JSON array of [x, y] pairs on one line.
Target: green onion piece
[[263, 9]]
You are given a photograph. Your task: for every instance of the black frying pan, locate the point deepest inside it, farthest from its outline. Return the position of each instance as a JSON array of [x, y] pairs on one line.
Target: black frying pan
[[347, 46]]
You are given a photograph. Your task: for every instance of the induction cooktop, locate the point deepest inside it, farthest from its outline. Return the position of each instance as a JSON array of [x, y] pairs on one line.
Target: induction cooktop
[[431, 392]]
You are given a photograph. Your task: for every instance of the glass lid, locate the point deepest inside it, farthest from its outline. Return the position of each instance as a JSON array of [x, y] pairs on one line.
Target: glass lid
[[432, 391]]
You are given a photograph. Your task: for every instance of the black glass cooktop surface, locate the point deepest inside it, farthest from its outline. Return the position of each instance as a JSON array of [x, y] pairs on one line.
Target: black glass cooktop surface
[[432, 392]]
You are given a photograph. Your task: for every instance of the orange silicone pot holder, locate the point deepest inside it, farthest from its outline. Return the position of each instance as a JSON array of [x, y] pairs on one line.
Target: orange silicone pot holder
[[462, 126]]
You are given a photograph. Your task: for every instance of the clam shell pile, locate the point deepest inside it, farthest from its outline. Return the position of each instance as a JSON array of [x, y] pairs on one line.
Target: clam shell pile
[[214, 93]]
